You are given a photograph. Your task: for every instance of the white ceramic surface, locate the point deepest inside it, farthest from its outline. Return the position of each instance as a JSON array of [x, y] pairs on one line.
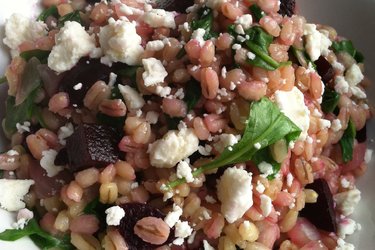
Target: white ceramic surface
[[352, 19]]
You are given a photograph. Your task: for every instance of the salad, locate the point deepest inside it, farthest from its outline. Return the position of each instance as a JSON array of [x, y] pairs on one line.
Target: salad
[[207, 124]]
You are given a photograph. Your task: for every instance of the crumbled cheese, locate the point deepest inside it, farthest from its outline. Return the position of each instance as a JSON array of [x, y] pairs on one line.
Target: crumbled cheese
[[265, 205], [132, 98], [234, 190], [354, 75], [159, 18], [154, 71], [260, 187], [114, 215], [225, 140], [345, 183], [155, 45], [19, 29], [292, 104], [347, 201], [215, 4], [184, 171], [245, 21], [72, 43], [22, 128], [358, 92], [289, 180], [251, 56], [368, 155], [152, 117], [342, 245], [224, 72], [338, 66], [323, 124], [13, 191], [207, 246], [173, 147], [128, 10], [191, 237], [317, 43], [12, 152], [134, 185], [112, 79], [64, 132], [48, 163], [206, 150], [257, 145], [236, 46], [239, 29], [265, 168], [178, 241], [78, 86], [336, 125], [346, 227], [341, 85], [182, 229], [120, 42], [23, 217], [163, 91], [210, 199], [198, 35], [174, 216]]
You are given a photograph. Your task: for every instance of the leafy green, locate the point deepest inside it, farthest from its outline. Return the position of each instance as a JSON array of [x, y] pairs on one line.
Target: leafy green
[[73, 16], [30, 80], [264, 155], [1, 173], [257, 12], [42, 55], [330, 100], [347, 142], [41, 238], [205, 21], [95, 207], [127, 71], [347, 46], [266, 125], [302, 57], [193, 93], [51, 11], [3, 79]]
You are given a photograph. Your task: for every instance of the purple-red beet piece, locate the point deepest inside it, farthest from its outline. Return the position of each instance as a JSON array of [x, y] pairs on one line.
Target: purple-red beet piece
[[175, 5], [325, 69], [321, 213], [133, 213], [92, 145], [361, 135], [287, 7], [61, 158]]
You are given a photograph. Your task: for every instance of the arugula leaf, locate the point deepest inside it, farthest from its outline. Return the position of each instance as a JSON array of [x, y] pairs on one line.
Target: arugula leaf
[[302, 57], [264, 155], [31, 80], [127, 71], [347, 46], [330, 100], [3, 79], [51, 11], [41, 238], [42, 55], [347, 142], [95, 207], [205, 21], [257, 12], [266, 125], [73, 16], [193, 93]]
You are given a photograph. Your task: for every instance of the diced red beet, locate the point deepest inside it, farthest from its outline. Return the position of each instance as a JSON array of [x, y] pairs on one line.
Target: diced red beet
[[287, 7], [61, 158], [133, 213], [321, 213], [325, 69], [361, 135], [92, 145], [175, 5]]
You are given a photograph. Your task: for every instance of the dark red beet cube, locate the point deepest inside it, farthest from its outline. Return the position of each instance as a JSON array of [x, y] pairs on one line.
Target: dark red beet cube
[[287, 7], [92, 145], [175, 5], [321, 213], [325, 70], [133, 213]]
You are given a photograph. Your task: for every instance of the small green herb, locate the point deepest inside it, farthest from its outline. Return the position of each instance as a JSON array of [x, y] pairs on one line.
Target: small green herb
[[172, 122], [41, 238], [73, 16], [347, 142], [97, 208], [257, 12], [193, 93], [264, 155], [30, 80], [42, 55], [205, 21], [1, 173], [127, 71], [266, 125], [330, 100], [347, 46], [51, 11], [3, 79], [302, 57], [181, 53]]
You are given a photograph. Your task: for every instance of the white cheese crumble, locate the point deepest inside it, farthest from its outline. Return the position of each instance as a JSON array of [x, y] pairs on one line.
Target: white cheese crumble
[[260, 187], [174, 216], [78, 86], [368, 155], [120, 42], [19, 29], [292, 104], [159, 18], [245, 21], [265, 205], [184, 171], [13, 191], [163, 91], [234, 190], [22, 128], [224, 141], [265, 168], [347, 201], [354, 75], [206, 150], [114, 215], [317, 43], [210, 199], [198, 35], [155, 45], [182, 229], [345, 183], [23, 217], [173, 147], [336, 125], [72, 43], [64, 132], [342, 245], [341, 85], [289, 180], [346, 227], [323, 124], [48, 163], [154, 71], [207, 246], [133, 99], [152, 117]]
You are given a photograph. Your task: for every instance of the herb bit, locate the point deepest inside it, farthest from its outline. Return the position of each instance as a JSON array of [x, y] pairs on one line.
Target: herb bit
[[3, 79], [73, 16], [205, 21], [257, 12], [348, 47], [265, 126], [51, 11], [330, 100], [42, 55], [347, 142]]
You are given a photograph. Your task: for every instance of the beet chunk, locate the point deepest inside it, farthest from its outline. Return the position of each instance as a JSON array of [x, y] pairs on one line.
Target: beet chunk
[[287, 7], [133, 213], [321, 213], [325, 70], [92, 145], [361, 135], [175, 5], [61, 158]]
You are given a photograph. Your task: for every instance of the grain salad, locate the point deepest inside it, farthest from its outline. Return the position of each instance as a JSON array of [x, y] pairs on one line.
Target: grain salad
[[206, 124]]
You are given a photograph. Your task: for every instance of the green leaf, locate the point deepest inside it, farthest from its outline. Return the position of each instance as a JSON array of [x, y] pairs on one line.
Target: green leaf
[[302, 57], [172, 122], [3, 79], [330, 100], [42, 55], [73, 16], [127, 71], [97, 208], [30, 80], [347, 142], [193, 93], [1, 173], [266, 125], [348, 47], [205, 21], [264, 155], [51, 11], [257, 12], [15, 234]]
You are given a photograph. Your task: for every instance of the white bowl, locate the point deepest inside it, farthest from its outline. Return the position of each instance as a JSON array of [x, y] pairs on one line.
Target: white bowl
[[352, 19]]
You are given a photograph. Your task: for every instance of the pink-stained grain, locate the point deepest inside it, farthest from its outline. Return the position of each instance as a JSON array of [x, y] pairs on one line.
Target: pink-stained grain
[[152, 230], [252, 90], [193, 49], [99, 13], [230, 11], [74, 191], [84, 224], [58, 102], [209, 83], [114, 108], [200, 129], [207, 54], [269, 6], [174, 107], [125, 170], [87, 177], [215, 123], [107, 175], [36, 145], [270, 25]]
